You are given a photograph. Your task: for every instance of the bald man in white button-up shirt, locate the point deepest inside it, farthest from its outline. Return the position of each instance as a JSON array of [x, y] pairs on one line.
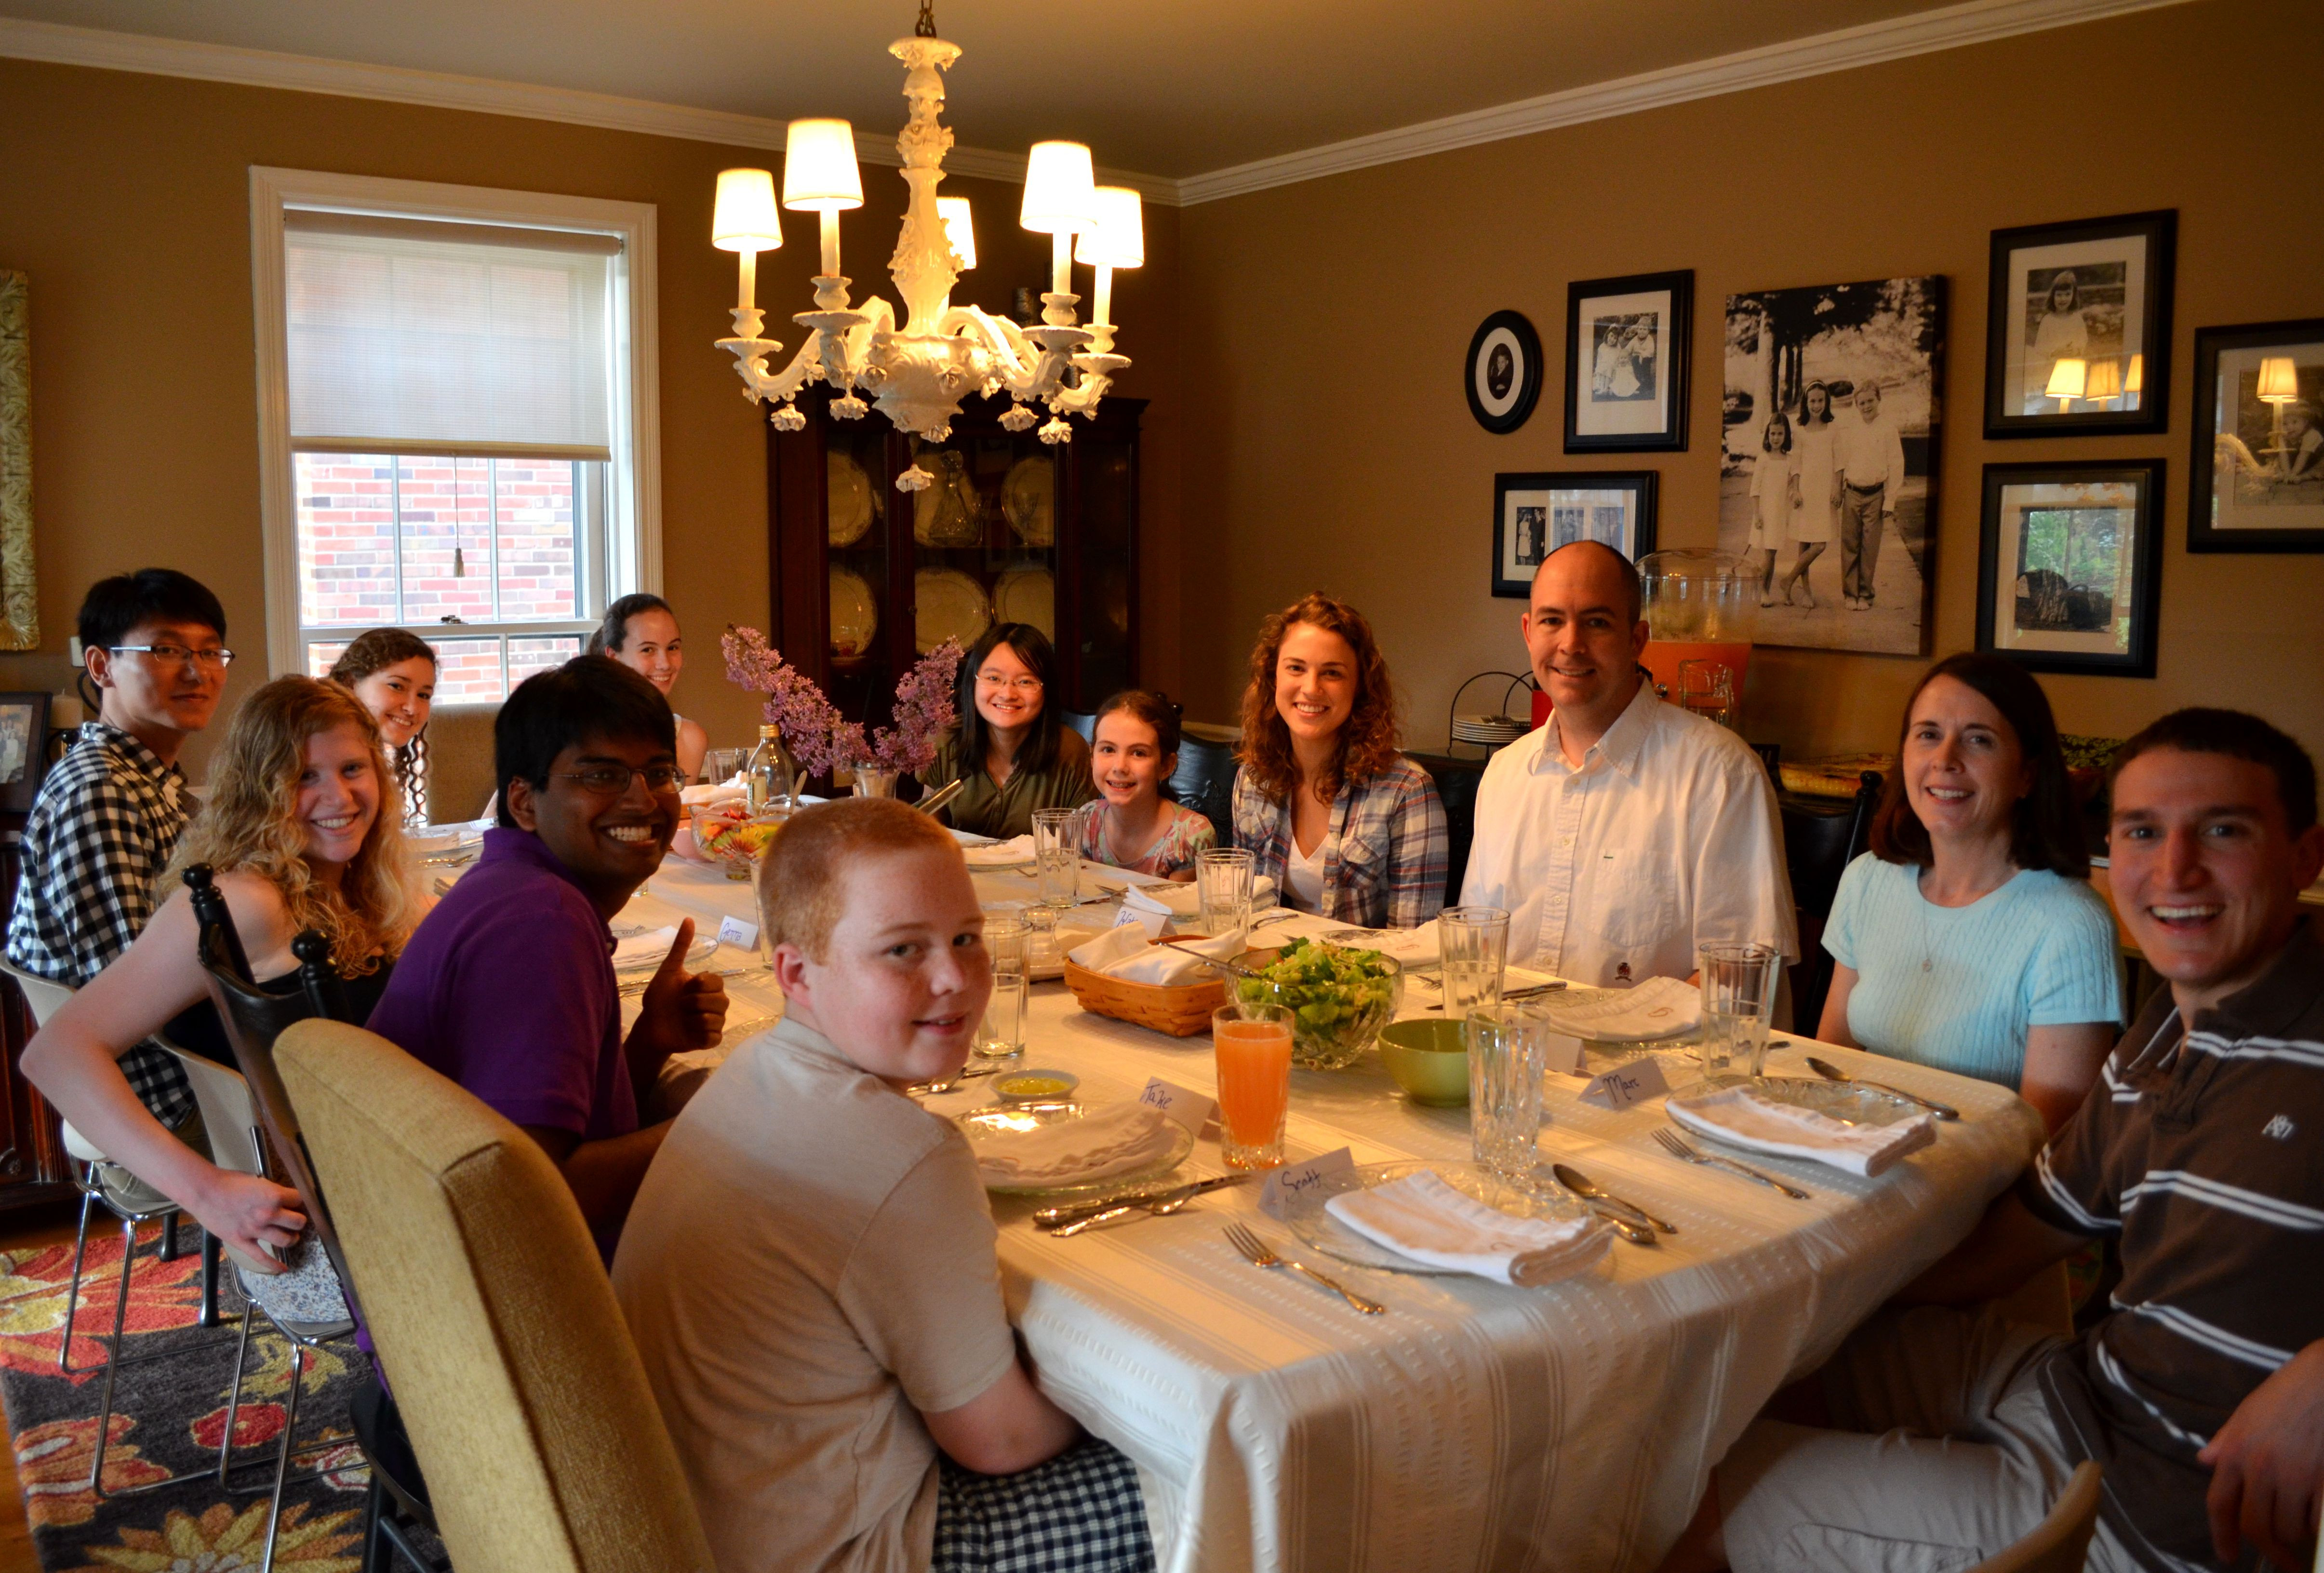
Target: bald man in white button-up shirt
[[1624, 831]]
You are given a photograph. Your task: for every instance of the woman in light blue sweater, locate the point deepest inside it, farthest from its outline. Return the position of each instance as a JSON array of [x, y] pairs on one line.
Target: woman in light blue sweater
[[1968, 938]]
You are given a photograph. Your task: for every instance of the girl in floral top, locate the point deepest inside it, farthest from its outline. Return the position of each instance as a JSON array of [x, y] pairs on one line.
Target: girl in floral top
[[1132, 825]]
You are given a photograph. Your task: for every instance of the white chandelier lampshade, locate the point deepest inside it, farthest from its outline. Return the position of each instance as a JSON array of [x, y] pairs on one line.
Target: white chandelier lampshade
[[916, 365], [960, 230], [2279, 379]]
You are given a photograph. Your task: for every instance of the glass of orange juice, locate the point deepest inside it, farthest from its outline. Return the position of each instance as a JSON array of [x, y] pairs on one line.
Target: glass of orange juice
[[1253, 1043]]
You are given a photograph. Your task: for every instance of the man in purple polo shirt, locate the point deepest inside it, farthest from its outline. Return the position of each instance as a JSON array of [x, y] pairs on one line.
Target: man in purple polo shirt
[[508, 988]]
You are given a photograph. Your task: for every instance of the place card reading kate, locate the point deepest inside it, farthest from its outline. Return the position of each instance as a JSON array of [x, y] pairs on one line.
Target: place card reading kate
[[1285, 1183], [1190, 1109], [740, 934], [1152, 920], [1626, 1085]]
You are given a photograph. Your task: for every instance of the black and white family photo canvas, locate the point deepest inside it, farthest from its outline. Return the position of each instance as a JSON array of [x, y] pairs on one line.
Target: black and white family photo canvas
[[1626, 363], [1827, 481], [2259, 439]]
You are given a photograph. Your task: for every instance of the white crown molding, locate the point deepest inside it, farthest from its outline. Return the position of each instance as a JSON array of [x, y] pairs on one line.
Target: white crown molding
[[1870, 44], [101, 48]]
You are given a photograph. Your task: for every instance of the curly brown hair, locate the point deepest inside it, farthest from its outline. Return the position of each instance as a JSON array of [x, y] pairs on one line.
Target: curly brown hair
[[1368, 743]]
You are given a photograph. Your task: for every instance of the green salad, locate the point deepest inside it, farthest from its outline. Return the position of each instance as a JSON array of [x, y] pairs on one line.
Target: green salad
[[1326, 986]]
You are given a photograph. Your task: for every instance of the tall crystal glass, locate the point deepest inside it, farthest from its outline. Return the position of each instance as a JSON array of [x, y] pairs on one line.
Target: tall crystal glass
[[1475, 943], [1739, 1004], [1001, 1034], [1506, 1045], [1057, 862], [1222, 882]]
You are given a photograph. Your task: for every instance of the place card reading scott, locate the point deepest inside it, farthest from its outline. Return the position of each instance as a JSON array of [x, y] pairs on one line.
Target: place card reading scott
[[1190, 1109], [1630, 1084], [742, 935], [1288, 1181]]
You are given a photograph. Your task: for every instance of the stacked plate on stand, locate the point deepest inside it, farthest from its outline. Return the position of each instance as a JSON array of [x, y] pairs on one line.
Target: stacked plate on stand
[[1490, 731]]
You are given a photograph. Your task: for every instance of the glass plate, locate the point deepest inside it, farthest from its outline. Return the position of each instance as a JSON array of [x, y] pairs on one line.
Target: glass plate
[[1028, 595], [979, 1125], [849, 510], [1308, 1219], [1852, 1102], [1029, 500]]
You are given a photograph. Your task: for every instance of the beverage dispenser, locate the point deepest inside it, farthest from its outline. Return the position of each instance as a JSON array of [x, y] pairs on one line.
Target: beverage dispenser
[[1702, 608]]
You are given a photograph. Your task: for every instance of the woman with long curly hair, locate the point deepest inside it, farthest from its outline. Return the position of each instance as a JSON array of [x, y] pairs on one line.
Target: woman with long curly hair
[[1345, 825], [392, 672], [303, 831]]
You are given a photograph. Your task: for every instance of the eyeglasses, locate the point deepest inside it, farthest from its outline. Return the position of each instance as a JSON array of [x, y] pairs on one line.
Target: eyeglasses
[[611, 781], [1018, 685], [178, 655]]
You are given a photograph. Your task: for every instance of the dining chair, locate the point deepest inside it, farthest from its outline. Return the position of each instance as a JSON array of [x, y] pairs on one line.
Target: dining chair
[[1087, 725], [458, 781], [524, 1398], [2061, 1542], [1205, 782], [1820, 838]]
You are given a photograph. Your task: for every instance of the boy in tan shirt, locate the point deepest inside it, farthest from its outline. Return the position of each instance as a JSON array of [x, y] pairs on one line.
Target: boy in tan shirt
[[809, 1269]]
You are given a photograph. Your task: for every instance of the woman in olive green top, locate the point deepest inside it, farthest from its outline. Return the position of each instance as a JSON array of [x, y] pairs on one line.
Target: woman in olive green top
[[1024, 757]]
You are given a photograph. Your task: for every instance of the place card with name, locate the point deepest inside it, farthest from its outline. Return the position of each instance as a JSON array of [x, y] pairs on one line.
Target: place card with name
[[1191, 1110], [1562, 1053], [1153, 919], [1285, 1183], [740, 934], [1630, 1084]]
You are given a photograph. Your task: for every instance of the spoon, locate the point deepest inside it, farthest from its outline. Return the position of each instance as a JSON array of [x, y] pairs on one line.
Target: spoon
[[1161, 1209], [1833, 1073], [1581, 1185]]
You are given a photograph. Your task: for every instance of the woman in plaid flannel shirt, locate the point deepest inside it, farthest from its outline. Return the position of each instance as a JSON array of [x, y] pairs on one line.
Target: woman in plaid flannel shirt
[[1345, 825]]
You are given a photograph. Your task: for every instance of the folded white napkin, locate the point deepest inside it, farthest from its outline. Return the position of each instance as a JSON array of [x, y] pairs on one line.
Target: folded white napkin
[[714, 791], [1660, 1007], [1013, 853], [1420, 947], [1113, 1140], [1740, 1115], [1178, 962], [644, 951], [1423, 1217]]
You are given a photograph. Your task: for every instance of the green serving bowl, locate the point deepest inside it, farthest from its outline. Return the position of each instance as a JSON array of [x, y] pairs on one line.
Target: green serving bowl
[[1428, 1059]]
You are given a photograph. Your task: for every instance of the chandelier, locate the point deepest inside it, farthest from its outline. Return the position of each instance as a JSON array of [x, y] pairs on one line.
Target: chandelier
[[917, 374]]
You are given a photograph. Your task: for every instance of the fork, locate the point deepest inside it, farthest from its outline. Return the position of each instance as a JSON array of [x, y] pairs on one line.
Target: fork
[[1256, 1250], [1678, 1147]]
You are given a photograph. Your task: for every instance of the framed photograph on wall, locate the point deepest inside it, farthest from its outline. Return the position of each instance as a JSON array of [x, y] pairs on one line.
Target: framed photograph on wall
[[2068, 566], [1536, 512], [1828, 468], [1626, 363], [2077, 327], [24, 749], [2258, 477], [1503, 372]]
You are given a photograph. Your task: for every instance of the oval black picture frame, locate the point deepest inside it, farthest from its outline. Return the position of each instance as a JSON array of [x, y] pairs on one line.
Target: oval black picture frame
[[1527, 371]]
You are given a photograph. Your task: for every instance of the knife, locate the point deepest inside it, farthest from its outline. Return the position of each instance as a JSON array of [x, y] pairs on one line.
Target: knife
[[1065, 1213], [1834, 1073]]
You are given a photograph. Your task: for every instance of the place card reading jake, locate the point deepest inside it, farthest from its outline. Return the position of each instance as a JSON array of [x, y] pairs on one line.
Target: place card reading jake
[[742, 935], [1292, 1178], [1630, 1084], [1191, 1110]]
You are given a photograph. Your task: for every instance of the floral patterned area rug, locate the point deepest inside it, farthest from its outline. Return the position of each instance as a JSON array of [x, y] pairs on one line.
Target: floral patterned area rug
[[169, 1415]]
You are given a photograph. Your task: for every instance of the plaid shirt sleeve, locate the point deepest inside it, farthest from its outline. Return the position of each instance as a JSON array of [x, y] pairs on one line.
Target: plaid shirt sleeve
[[91, 853], [1412, 821]]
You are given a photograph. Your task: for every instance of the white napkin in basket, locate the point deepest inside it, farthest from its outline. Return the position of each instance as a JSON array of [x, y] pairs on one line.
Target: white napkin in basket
[[714, 791], [1110, 1141], [1177, 963], [1423, 1217], [1739, 1115]]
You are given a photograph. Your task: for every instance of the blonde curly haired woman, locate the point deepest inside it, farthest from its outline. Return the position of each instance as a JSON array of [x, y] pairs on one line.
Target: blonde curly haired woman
[[303, 829]]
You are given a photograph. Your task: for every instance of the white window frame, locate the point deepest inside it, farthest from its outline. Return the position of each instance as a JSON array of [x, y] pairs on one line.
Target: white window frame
[[632, 537]]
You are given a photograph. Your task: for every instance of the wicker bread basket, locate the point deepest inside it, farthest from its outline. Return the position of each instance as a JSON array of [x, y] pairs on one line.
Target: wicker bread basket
[[1181, 1010]]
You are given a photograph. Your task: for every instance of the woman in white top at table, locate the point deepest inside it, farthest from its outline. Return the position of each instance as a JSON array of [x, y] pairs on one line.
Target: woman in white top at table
[[1345, 825], [1968, 938], [640, 631]]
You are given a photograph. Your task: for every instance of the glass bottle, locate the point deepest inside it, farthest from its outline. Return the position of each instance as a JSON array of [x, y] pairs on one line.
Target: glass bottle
[[767, 776]]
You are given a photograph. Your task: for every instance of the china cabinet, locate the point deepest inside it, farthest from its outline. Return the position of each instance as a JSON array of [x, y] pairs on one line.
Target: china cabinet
[[865, 578]]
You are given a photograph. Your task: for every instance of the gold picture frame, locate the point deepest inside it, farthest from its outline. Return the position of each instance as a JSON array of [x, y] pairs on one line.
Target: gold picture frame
[[20, 605]]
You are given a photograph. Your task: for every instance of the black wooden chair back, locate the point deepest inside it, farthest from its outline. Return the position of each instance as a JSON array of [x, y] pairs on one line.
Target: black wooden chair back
[[1087, 725], [1819, 844], [1205, 782]]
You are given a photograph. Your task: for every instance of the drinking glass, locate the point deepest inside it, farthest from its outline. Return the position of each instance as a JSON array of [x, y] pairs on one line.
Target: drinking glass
[[1476, 947], [1001, 1034], [1707, 688], [1040, 939], [722, 764], [1507, 1046], [1739, 1002], [1253, 1044], [1055, 860], [1222, 880]]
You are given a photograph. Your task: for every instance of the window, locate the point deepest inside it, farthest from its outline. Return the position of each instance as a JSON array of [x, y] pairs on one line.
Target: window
[[456, 388]]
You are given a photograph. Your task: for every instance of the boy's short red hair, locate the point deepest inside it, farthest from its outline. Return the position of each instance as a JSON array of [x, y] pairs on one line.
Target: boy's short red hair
[[800, 884]]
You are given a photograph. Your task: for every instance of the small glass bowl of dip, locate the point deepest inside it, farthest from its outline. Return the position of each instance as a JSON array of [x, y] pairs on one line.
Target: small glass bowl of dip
[[1036, 1085]]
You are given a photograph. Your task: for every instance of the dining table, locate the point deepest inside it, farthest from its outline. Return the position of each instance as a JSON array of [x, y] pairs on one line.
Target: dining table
[[1475, 1424]]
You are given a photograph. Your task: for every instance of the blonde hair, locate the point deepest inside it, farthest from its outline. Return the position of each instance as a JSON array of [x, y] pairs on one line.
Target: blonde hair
[[249, 823], [802, 878]]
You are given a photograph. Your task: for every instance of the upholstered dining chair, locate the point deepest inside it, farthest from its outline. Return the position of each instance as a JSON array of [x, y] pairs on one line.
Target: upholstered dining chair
[[2061, 1542], [522, 1392], [458, 782]]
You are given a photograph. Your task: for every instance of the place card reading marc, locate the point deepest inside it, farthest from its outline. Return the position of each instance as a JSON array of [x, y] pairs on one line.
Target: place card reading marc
[[1191, 1110], [1626, 1085], [1292, 1178]]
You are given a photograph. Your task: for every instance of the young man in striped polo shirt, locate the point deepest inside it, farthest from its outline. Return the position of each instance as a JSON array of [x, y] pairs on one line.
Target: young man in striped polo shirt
[[2201, 1152]]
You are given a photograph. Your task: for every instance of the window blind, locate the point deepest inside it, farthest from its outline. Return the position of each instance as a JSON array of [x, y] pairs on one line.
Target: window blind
[[410, 335]]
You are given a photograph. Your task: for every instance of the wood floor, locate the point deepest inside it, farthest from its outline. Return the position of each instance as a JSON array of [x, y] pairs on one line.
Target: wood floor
[[31, 1230]]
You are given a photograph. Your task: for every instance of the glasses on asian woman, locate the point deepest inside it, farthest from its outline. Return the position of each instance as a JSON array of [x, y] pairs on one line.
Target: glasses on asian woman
[[611, 781], [1019, 685], [178, 655]]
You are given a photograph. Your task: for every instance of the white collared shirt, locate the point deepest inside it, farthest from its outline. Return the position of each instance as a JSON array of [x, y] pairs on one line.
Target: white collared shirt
[[1665, 837]]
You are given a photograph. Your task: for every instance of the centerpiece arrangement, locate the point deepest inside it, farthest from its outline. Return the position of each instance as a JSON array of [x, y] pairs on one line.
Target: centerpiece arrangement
[[823, 742]]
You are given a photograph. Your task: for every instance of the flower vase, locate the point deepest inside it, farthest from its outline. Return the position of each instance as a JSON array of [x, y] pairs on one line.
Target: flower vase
[[874, 783]]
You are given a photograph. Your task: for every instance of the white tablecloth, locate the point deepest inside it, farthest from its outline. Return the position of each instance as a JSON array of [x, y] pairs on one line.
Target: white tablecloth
[[1475, 1425]]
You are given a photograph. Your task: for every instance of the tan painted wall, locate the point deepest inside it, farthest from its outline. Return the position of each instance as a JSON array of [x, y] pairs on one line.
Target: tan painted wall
[[124, 198], [1340, 452]]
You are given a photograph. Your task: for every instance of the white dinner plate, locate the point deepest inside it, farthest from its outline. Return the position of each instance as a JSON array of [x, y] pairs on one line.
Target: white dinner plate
[[1028, 595], [946, 604], [980, 1126], [848, 506], [1309, 1219], [854, 613], [1028, 499]]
